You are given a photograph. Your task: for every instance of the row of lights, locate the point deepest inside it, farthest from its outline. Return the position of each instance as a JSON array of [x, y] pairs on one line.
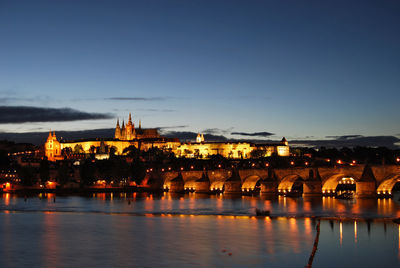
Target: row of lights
[[385, 193], [247, 189], [328, 191], [284, 191]]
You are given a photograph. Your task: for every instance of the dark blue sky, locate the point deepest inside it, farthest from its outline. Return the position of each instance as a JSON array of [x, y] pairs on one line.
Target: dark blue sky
[[293, 68]]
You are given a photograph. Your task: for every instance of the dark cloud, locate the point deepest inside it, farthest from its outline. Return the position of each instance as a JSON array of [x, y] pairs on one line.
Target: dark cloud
[[217, 131], [12, 100], [157, 110], [39, 138], [345, 137], [171, 127], [212, 131], [191, 136], [339, 142], [254, 134], [137, 98], [22, 114]]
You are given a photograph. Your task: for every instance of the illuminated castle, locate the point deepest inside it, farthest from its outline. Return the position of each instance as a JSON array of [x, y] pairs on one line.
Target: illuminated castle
[[145, 139], [128, 132]]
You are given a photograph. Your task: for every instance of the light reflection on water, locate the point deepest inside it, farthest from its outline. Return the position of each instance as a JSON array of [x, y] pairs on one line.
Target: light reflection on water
[[141, 203], [197, 231]]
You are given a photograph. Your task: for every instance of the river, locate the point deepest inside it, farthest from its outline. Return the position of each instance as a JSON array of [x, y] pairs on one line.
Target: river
[[144, 230]]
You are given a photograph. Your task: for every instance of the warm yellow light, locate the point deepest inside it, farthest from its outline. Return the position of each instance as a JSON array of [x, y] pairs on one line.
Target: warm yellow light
[[355, 231]]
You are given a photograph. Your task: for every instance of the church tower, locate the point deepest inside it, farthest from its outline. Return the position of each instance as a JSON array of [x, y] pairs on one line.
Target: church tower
[[117, 131], [52, 147], [130, 129], [123, 131]]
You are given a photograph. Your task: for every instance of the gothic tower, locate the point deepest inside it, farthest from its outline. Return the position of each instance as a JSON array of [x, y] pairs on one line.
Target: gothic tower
[[130, 129], [123, 131], [117, 131]]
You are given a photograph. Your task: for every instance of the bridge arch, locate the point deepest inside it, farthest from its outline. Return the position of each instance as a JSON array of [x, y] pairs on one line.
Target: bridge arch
[[250, 182], [386, 186], [288, 182], [330, 185]]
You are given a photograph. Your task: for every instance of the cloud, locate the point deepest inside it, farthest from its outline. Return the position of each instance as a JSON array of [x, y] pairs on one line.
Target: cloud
[[22, 114], [157, 110], [217, 131], [345, 137], [171, 127], [254, 134], [18, 100], [344, 141], [191, 136], [137, 98]]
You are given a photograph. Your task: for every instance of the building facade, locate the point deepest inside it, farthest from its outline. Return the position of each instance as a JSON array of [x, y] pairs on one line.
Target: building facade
[[238, 150], [144, 139]]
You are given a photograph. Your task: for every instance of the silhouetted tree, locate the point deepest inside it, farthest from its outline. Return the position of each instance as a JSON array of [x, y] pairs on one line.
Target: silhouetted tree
[[78, 149], [27, 175], [44, 172]]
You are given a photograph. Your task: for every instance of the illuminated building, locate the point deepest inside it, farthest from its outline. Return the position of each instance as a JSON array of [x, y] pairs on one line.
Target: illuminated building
[[144, 139]]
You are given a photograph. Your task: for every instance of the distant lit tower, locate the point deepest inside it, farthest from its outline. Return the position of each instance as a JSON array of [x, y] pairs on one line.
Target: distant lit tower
[[117, 131], [284, 141], [130, 129], [123, 131], [200, 138]]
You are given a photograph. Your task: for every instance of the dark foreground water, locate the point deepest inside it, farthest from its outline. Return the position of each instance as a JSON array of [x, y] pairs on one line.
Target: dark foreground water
[[132, 230]]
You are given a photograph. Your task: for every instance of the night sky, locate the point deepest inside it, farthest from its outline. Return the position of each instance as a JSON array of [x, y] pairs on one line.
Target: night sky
[[300, 69]]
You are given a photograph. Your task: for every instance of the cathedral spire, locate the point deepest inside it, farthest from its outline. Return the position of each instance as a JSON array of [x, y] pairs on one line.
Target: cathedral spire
[[130, 119], [117, 122], [140, 124]]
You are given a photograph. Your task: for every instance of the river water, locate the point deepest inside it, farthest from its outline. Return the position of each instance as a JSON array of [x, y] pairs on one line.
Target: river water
[[143, 230]]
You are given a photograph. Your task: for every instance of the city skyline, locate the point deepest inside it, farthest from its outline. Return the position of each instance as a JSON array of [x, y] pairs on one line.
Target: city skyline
[[302, 71]]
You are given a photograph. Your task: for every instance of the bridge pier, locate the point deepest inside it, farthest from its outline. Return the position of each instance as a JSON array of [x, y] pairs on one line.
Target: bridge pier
[[233, 185], [313, 185], [269, 187], [177, 185], [366, 185], [365, 189], [202, 185], [312, 188]]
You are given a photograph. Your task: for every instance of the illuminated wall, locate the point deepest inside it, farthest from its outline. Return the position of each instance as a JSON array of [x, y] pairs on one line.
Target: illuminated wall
[[228, 149]]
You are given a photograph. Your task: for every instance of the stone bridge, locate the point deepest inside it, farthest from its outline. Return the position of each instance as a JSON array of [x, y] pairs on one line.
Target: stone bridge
[[370, 181]]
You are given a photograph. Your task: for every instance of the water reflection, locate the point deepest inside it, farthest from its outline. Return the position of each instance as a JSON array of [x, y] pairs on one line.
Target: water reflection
[[189, 240], [355, 231]]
